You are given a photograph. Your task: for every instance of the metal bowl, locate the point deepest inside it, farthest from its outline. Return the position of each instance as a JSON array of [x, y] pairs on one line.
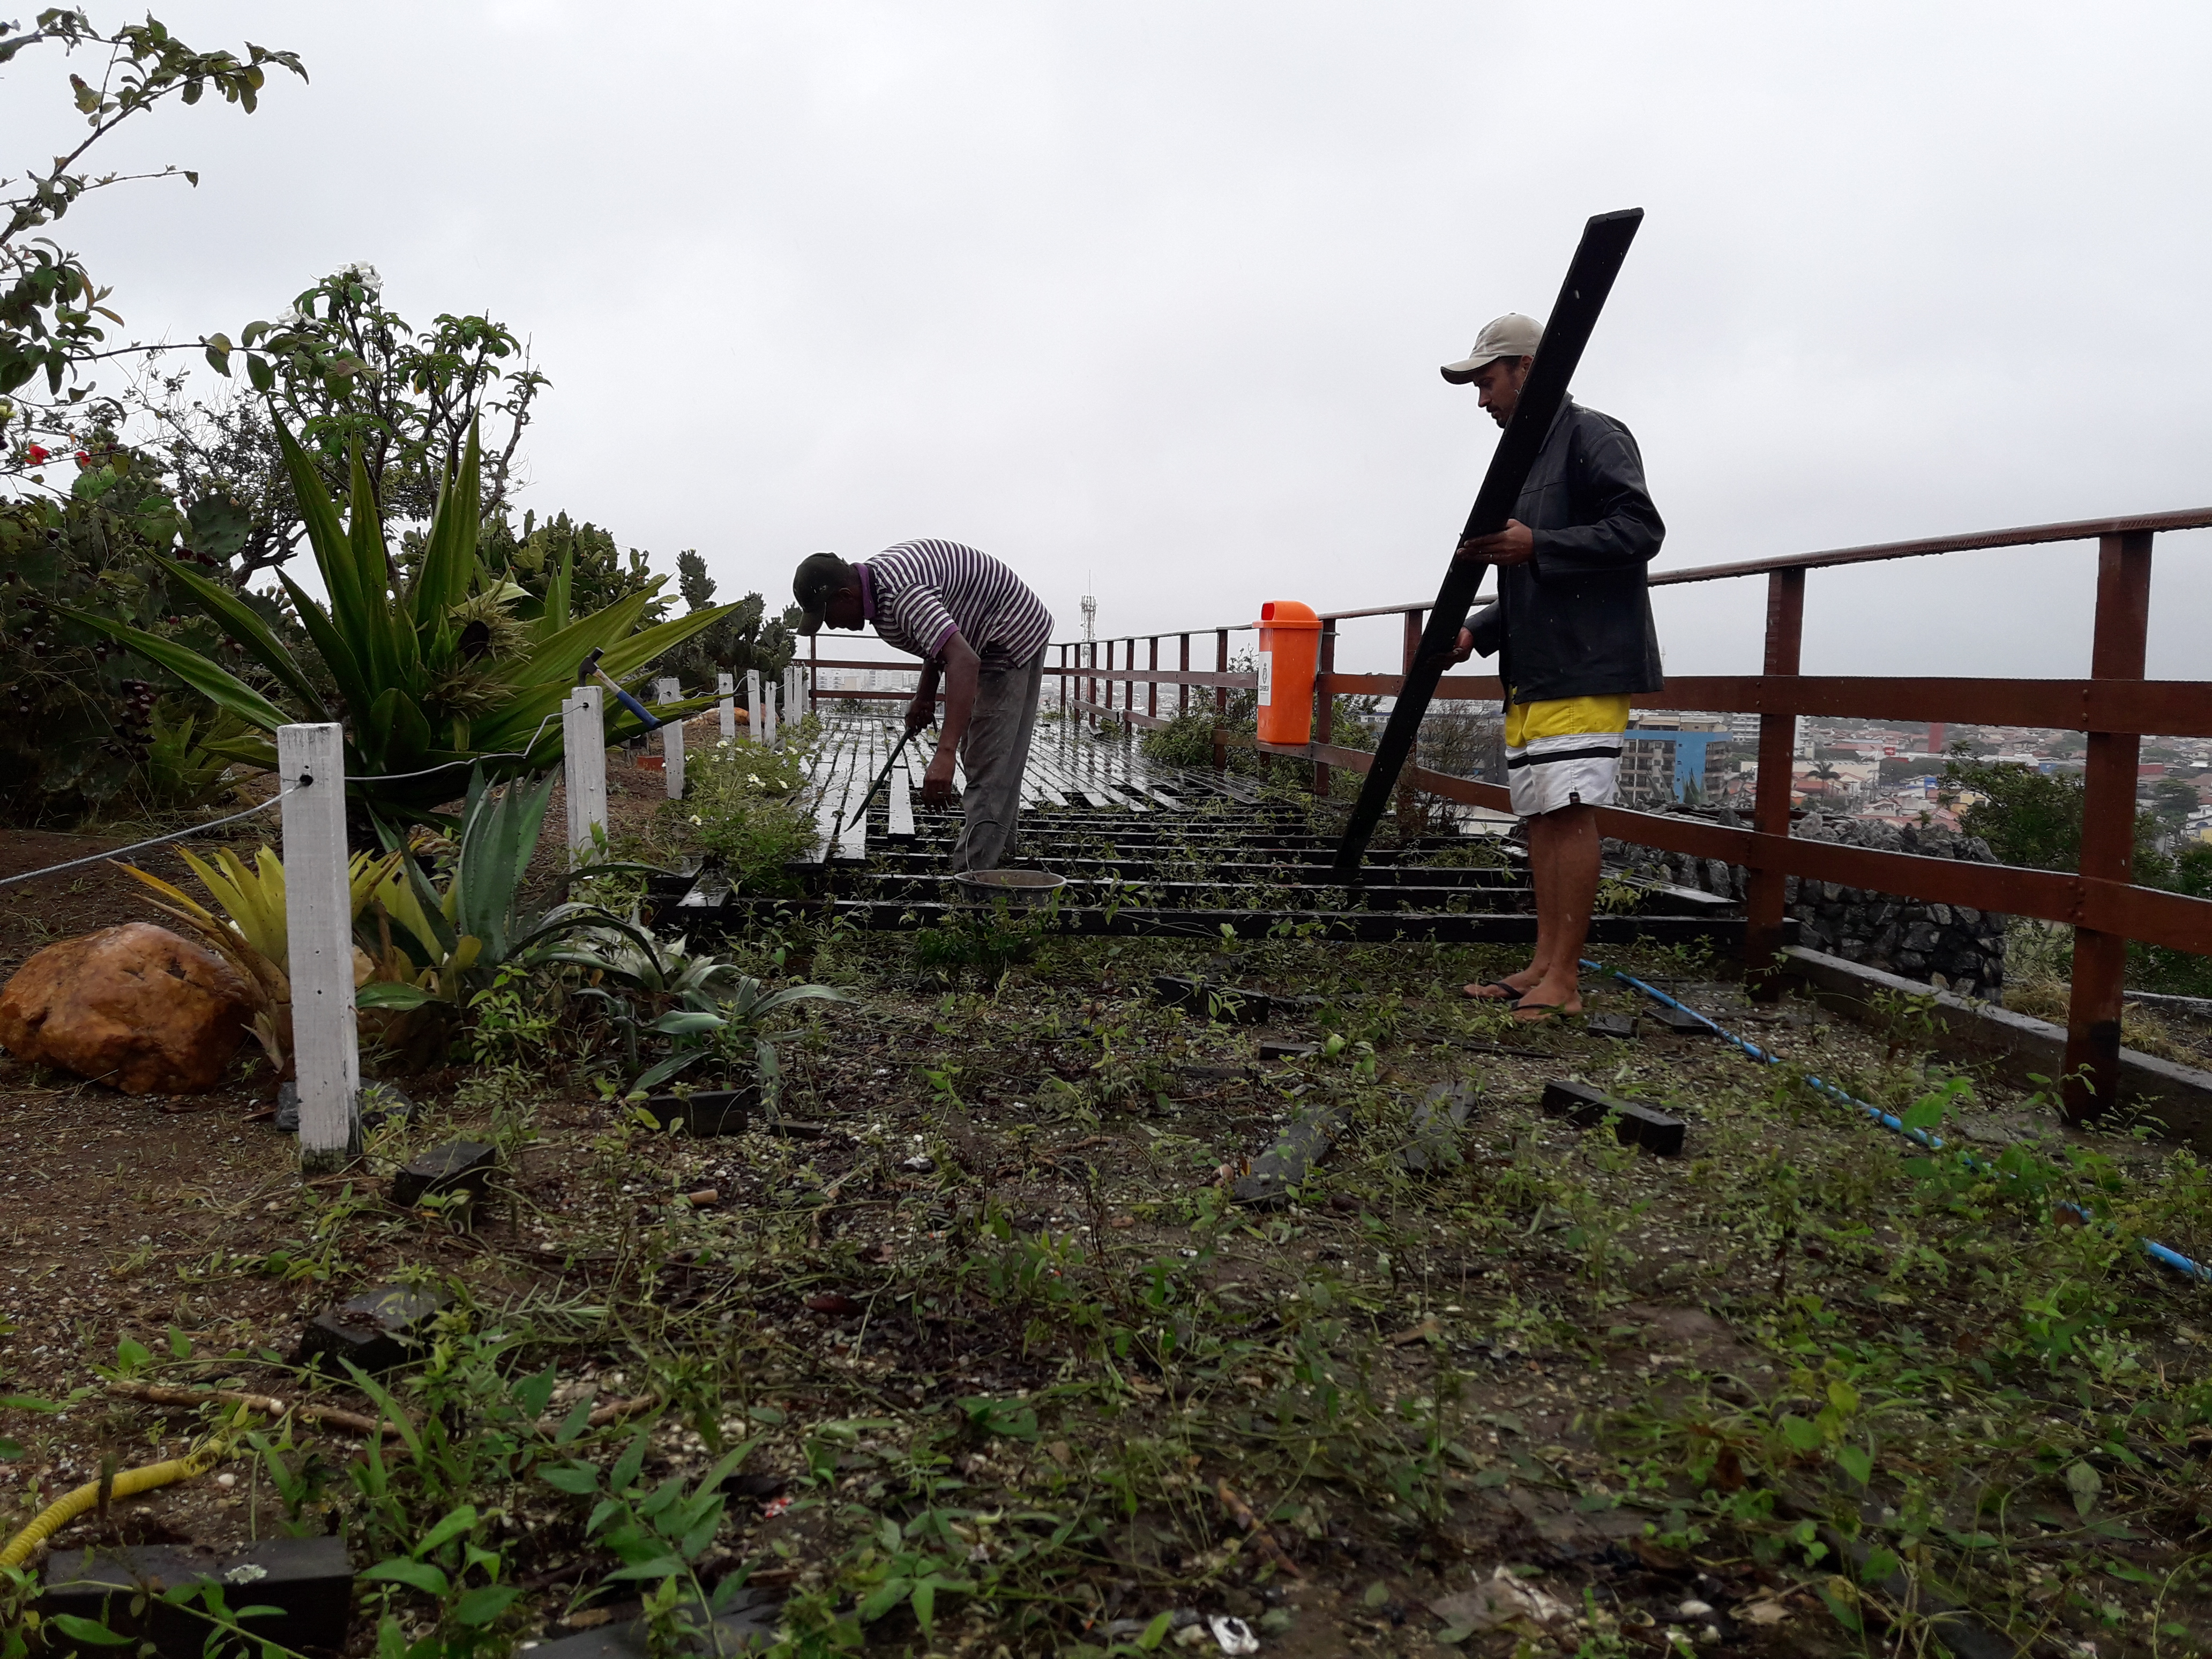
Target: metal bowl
[[1021, 887]]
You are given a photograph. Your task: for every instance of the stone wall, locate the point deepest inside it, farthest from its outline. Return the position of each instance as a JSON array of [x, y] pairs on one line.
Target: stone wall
[[1949, 946]]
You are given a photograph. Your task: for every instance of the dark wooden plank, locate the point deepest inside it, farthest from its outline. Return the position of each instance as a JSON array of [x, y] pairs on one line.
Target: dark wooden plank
[[1574, 315], [1433, 1144]]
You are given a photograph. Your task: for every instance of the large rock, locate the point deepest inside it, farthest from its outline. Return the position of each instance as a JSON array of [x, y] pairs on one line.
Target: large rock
[[135, 1007]]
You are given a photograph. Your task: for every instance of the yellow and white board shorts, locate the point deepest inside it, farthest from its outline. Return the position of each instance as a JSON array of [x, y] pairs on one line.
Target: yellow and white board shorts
[[1564, 753]]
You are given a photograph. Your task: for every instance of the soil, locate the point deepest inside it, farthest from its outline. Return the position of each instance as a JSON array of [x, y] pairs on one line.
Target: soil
[[1009, 1171]]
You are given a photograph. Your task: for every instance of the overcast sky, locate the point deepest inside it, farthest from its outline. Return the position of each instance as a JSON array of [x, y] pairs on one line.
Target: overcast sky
[[1151, 296]]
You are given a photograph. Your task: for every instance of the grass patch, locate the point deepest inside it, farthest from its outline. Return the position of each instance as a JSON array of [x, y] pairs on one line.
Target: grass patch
[[999, 1366]]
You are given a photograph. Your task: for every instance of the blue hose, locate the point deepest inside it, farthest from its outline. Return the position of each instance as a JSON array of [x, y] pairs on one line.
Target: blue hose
[[2158, 1253]]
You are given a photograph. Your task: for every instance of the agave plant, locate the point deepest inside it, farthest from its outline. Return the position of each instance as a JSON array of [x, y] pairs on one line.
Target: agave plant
[[433, 673], [436, 944]]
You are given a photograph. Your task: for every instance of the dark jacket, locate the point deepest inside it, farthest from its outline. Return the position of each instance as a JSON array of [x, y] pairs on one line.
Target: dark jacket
[[1576, 620]]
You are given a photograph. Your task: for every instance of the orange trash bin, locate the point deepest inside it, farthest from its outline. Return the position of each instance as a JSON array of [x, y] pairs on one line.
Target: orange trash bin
[[1290, 646]]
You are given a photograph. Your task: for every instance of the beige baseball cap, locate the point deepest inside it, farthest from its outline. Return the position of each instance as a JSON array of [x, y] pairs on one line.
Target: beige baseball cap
[[1509, 336]]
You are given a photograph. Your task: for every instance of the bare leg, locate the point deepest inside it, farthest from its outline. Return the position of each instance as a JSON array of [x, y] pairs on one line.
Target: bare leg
[[1564, 850], [1520, 984]]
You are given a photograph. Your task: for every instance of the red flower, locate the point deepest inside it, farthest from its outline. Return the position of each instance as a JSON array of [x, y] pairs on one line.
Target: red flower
[[36, 453], [84, 458]]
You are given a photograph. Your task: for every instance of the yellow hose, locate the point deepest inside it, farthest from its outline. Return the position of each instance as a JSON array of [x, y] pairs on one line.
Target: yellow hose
[[128, 1483]]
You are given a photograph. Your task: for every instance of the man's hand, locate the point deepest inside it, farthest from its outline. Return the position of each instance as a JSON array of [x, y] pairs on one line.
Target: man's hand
[[936, 782], [1462, 648], [923, 709], [1515, 544]]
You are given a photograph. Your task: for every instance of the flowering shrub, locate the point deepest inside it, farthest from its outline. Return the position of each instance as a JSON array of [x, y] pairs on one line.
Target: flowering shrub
[[737, 806]]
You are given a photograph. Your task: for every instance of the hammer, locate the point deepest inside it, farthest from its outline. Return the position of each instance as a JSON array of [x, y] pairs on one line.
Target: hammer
[[591, 669]]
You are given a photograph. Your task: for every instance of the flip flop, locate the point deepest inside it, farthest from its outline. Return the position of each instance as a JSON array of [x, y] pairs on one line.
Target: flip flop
[[1542, 1013], [1511, 993]]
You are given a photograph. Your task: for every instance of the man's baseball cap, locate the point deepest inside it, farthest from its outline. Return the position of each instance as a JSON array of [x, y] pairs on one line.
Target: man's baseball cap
[[1509, 336], [820, 576]]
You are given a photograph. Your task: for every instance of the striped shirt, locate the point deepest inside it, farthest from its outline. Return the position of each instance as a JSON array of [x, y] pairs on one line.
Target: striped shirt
[[920, 593]]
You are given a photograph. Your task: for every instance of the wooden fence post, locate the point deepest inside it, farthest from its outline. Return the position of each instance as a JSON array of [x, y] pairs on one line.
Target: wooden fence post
[[1764, 889], [753, 705], [2091, 1084], [1153, 687], [726, 687], [318, 924], [1182, 692], [666, 691], [584, 747], [768, 714], [1221, 667]]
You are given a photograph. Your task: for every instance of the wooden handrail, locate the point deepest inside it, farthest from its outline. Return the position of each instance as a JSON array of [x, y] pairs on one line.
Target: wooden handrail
[[2148, 913], [2073, 530]]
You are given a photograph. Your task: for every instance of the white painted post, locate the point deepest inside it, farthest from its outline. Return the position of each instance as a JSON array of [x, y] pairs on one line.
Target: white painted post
[[768, 715], [584, 741], [318, 921], [753, 704], [790, 702], [666, 691], [726, 685]]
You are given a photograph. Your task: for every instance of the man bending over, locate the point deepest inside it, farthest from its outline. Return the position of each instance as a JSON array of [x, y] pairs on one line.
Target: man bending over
[[1571, 629], [972, 621]]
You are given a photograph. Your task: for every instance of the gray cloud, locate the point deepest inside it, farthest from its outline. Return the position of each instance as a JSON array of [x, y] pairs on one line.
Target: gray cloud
[[1157, 292]]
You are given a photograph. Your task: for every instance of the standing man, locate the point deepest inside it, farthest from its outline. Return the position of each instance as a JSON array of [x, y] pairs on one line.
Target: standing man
[[1571, 629], [975, 623]]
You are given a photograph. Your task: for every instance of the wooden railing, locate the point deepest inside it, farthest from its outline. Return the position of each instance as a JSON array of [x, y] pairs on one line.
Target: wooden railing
[[2115, 707]]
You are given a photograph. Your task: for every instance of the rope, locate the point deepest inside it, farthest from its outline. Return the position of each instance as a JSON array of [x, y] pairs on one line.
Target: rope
[[138, 846], [522, 753]]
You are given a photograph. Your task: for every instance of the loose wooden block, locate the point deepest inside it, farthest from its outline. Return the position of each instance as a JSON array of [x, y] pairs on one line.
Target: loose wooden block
[[1434, 1143], [1232, 1004], [465, 1163], [379, 1330], [747, 1624], [1271, 1048], [708, 1112], [307, 1580], [1681, 1022], [1634, 1122], [1623, 1026], [1302, 1143]]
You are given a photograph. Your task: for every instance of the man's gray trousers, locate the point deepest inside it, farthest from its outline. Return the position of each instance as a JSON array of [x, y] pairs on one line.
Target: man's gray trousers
[[994, 752]]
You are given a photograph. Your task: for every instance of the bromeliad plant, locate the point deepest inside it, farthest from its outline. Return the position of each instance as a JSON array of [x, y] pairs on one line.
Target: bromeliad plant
[[249, 931], [709, 1010], [434, 671]]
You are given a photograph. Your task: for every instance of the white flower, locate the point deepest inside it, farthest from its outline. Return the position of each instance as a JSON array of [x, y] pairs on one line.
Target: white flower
[[295, 318], [695, 817], [362, 272]]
